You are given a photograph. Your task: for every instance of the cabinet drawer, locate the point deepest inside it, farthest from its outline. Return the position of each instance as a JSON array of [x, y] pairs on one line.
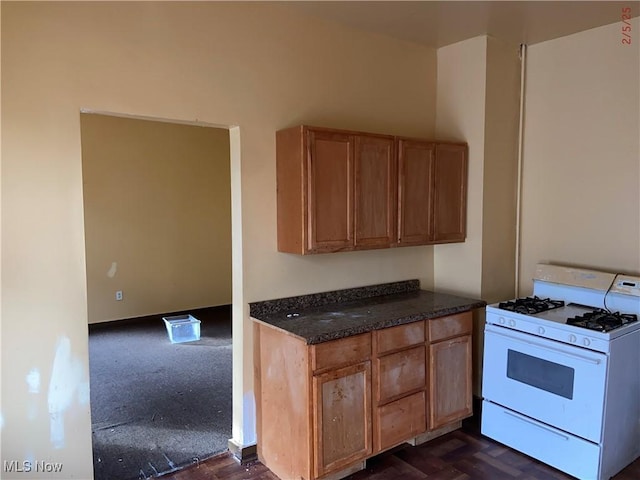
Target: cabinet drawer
[[400, 373], [396, 338], [399, 421], [451, 326], [345, 351]]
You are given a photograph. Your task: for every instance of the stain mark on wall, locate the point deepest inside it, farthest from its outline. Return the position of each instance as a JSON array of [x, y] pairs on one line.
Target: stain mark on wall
[[112, 270], [33, 380], [68, 381]]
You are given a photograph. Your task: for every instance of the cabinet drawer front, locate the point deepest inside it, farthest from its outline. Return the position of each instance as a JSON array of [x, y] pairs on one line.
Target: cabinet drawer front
[[451, 326], [399, 421], [396, 338], [400, 373], [345, 351]]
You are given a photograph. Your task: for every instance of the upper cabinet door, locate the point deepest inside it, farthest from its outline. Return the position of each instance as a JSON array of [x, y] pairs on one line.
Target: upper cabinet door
[[415, 161], [450, 193], [375, 192], [330, 191]]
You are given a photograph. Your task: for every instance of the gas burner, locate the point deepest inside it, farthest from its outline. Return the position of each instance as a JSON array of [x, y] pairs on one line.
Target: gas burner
[[602, 320], [530, 305]]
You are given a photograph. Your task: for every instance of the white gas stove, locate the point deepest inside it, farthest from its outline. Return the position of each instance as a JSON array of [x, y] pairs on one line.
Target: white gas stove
[[561, 373]]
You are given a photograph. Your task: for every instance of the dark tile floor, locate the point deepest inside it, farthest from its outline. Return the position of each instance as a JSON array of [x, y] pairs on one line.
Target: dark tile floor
[[460, 455]]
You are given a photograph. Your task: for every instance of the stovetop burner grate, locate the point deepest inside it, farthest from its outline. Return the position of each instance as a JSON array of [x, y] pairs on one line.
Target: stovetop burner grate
[[602, 320], [530, 305]]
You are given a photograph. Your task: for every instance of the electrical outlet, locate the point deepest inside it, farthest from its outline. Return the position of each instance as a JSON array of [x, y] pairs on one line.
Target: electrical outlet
[[119, 295]]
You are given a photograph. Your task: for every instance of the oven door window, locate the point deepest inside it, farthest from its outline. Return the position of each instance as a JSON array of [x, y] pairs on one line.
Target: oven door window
[[539, 373]]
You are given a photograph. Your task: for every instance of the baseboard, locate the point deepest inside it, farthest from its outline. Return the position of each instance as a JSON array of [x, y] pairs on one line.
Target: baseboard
[[244, 454], [427, 436], [199, 313]]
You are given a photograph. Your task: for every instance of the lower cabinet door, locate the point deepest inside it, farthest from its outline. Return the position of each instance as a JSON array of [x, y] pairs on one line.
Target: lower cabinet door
[[449, 381], [342, 421], [399, 421]]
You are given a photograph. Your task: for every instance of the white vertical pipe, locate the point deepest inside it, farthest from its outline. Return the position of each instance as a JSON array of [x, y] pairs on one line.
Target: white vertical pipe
[[523, 65]]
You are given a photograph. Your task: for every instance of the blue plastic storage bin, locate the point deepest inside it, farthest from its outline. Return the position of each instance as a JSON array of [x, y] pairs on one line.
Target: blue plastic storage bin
[[182, 328]]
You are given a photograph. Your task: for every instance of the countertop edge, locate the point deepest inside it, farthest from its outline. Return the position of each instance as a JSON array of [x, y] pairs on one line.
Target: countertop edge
[[279, 329]]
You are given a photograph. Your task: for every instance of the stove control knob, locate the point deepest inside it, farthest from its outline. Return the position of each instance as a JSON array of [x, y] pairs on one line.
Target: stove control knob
[[512, 322], [586, 342], [572, 338], [501, 320], [541, 330]]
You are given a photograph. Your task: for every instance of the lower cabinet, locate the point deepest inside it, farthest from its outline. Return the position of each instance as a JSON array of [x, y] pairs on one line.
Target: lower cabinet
[[322, 410]]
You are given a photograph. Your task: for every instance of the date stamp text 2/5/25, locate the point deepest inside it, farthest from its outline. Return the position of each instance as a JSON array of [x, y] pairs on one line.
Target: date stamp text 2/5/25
[[626, 25]]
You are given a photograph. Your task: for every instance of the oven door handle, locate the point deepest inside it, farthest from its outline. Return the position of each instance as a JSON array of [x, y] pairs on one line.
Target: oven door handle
[[535, 424], [593, 361]]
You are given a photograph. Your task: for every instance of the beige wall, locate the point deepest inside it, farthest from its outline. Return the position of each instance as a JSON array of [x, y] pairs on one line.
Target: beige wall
[[500, 170], [581, 172], [255, 68], [478, 102], [157, 216], [460, 115]]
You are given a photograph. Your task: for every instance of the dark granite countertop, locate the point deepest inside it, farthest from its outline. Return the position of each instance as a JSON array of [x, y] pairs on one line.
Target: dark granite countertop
[[329, 316]]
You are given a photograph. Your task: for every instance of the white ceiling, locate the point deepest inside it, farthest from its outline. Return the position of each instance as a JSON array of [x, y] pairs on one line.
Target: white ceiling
[[440, 23]]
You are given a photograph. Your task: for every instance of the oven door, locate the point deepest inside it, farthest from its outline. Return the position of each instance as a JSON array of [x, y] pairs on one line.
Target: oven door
[[552, 382]]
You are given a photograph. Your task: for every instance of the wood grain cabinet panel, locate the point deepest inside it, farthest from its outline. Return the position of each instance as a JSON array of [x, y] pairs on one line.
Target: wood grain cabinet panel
[[399, 421], [400, 373], [375, 192], [391, 339], [451, 326], [341, 352], [330, 187], [415, 164], [342, 427], [449, 381], [449, 222]]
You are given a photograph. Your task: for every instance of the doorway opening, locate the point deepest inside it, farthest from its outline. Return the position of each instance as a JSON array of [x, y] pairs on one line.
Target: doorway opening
[[157, 207]]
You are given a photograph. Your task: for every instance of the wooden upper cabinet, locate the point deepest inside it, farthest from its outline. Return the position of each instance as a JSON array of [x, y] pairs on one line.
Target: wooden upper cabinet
[[330, 191], [450, 193], [375, 192], [341, 190], [415, 162]]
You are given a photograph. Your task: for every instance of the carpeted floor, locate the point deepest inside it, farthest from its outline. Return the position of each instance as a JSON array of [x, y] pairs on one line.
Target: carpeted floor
[[158, 406]]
